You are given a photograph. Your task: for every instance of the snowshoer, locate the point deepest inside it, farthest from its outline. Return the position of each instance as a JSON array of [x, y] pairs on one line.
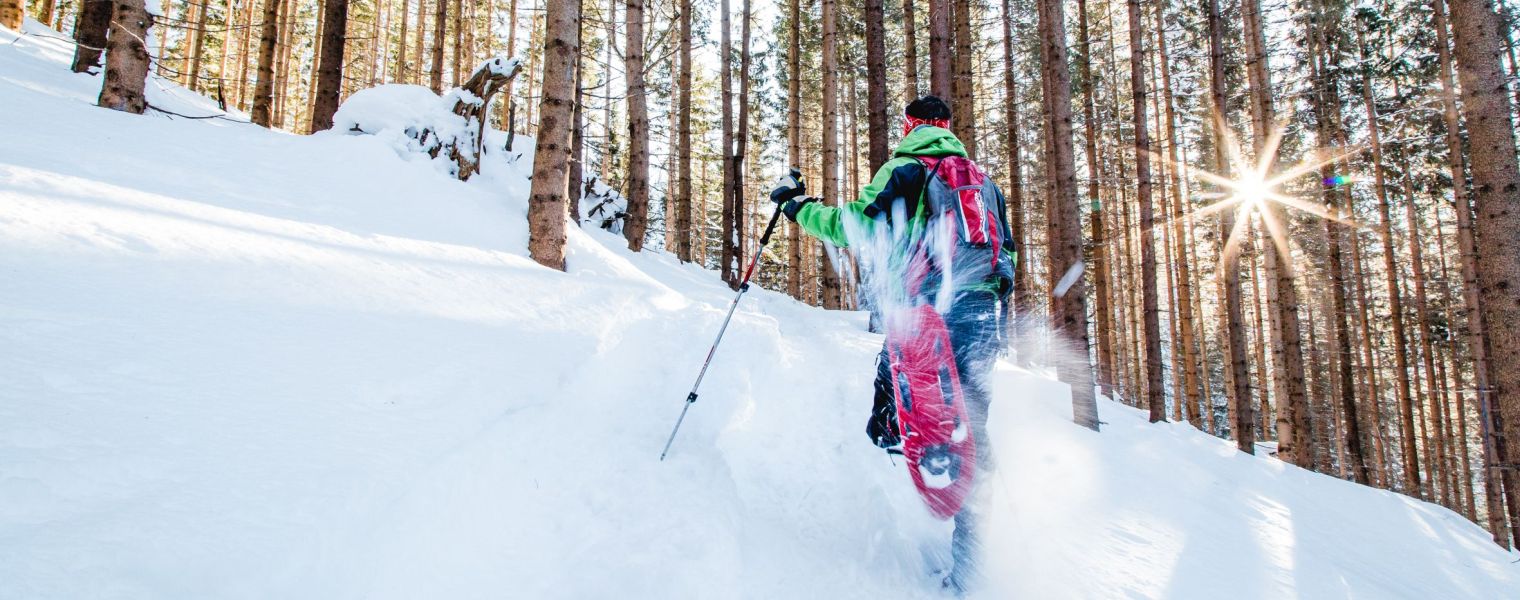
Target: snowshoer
[[925, 237]]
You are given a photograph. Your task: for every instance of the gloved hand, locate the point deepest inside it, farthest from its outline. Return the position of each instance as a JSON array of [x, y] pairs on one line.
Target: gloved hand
[[789, 192]]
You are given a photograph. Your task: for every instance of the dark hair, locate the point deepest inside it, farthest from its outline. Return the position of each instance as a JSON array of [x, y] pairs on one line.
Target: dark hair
[[929, 108]]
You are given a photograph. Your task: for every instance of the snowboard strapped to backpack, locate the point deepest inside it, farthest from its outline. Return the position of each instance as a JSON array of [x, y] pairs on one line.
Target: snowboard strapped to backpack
[[963, 243]]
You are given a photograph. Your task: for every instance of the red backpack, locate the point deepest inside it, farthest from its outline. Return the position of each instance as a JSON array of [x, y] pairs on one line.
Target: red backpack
[[960, 199]]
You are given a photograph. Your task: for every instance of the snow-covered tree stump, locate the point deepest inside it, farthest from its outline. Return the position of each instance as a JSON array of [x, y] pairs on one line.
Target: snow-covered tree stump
[[469, 102], [449, 128]]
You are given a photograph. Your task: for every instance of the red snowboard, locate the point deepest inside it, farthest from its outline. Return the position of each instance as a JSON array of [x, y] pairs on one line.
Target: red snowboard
[[931, 411]]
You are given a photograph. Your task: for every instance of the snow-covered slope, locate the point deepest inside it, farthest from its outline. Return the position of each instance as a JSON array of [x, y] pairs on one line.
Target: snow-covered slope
[[243, 364]]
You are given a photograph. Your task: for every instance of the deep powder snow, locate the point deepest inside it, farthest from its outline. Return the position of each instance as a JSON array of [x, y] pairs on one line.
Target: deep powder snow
[[244, 364]]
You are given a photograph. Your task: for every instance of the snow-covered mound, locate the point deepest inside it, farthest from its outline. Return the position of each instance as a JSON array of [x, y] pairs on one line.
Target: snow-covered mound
[[243, 364]]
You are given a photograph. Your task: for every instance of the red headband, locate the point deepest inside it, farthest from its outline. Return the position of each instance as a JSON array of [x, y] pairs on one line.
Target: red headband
[[911, 122]]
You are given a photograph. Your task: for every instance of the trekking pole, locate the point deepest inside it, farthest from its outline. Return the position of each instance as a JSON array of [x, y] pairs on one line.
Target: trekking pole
[[743, 287]]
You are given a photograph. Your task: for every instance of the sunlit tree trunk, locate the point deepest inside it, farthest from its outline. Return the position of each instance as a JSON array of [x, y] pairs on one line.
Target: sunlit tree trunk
[[683, 225], [832, 288], [1495, 195], [1155, 393], [1235, 348], [941, 51], [1407, 434], [876, 86], [546, 198], [263, 92], [1063, 216], [330, 68], [794, 138], [637, 183], [127, 58]]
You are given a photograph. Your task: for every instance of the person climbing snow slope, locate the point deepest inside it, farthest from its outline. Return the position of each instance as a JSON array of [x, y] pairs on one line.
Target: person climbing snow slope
[[929, 230]]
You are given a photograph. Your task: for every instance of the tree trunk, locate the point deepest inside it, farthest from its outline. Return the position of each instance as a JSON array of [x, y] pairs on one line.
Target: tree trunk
[[1328, 119], [1063, 217], [1293, 428], [683, 142], [742, 136], [546, 200], [330, 68], [127, 58], [1437, 467], [197, 47], [728, 246], [421, 47], [1407, 434], [1237, 373], [794, 138], [90, 28], [832, 292], [1495, 195], [245, 41], [1188, 394], [1476, 331], [1155, 393], [876, 86], [440, 30], [963, 85], [263, 90], [13, 14], [638, 128], [910, 53], [1023, 288], [459, 25], [941, 53], [1102, 270], [575, 186]]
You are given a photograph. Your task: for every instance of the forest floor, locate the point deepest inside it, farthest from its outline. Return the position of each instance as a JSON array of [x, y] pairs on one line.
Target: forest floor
[[246, 364]]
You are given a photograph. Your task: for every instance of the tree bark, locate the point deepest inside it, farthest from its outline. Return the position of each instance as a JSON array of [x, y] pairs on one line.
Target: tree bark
[[197, 48], [1493, 483], [742, 136], [575, 187], [330, 68], [546, 200], [832, 291], [683, 142], [1188, 395], [1495, 196], [1102, 270], [263, 90], [440, 29], [1295, 444], [1023, 287], [459, 26], [90, 28], [1063, 216], [876, 86], [13, 13], [1407, 434], [963, 85], [728, 246], [941, 53], [794, 138], [910, 53], [1328, 121], [1155, 393], [127, 58], [1235, 348], [638, 128]]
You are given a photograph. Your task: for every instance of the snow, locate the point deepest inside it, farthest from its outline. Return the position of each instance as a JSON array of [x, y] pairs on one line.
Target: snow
[[244, 364]]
